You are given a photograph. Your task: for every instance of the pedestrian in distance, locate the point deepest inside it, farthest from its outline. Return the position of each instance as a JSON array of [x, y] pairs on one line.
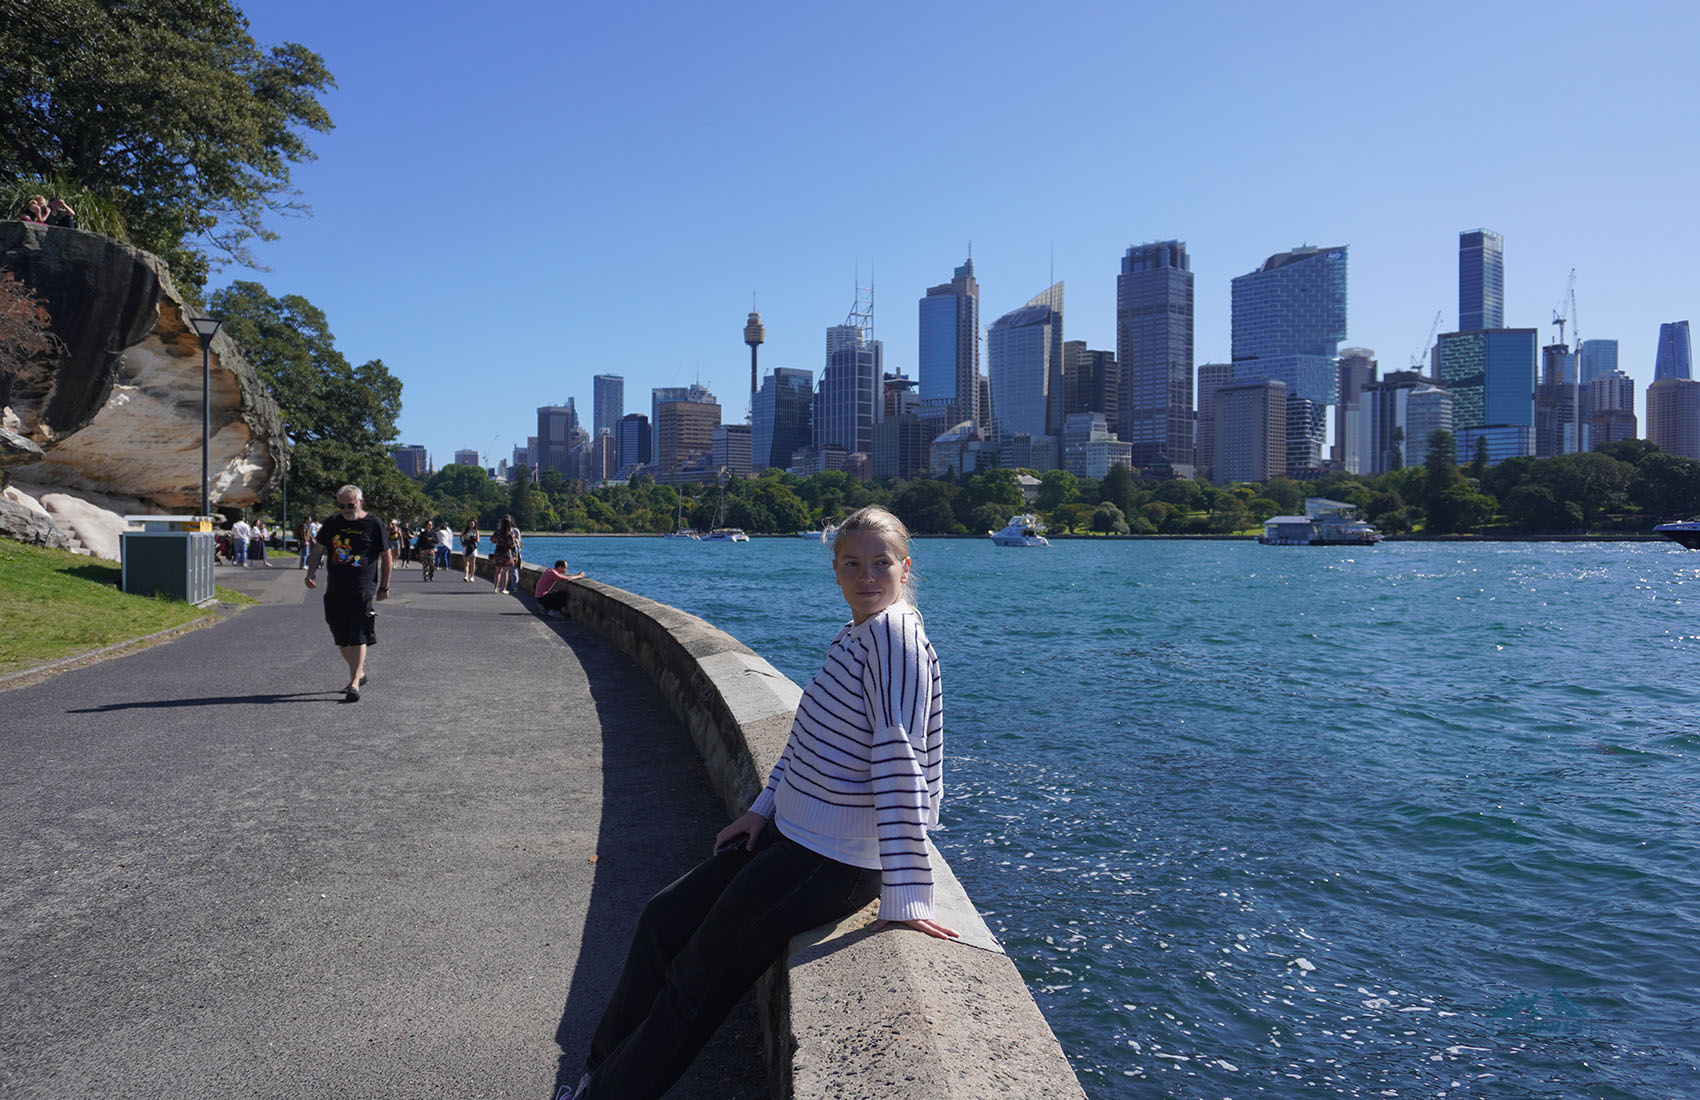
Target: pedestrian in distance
[[356, 547], [257, 543], [425, 549], [504, 552], [551, 592], [843, 820], [445, 543], [240, 536], [469, 550]]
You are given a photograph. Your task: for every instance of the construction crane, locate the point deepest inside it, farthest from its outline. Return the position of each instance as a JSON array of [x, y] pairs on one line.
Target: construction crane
[[1567, 304], [1420, 359]]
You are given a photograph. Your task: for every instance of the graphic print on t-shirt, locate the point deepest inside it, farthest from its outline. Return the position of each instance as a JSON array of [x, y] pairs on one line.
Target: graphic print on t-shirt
[[344, 551]]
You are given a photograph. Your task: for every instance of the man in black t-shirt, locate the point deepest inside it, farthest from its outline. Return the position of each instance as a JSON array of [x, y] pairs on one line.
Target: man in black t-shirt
[[356, 549]]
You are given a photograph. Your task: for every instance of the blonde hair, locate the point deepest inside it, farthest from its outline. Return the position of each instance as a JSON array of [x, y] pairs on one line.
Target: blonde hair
[[876, 520]]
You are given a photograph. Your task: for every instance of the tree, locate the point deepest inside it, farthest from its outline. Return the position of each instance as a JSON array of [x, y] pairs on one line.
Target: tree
[[1109, 519], [168, 109], [1117, 488], [1459, 509], [1057, 488], [1596, 483], [342, 419], [1667, 486], [1533, 508]]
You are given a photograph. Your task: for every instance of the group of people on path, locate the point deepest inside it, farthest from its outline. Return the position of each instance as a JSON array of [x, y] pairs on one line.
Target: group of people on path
[[245, 542]]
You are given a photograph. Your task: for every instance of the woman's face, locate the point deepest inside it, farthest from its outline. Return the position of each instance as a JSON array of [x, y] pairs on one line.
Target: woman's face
[[869, 574]]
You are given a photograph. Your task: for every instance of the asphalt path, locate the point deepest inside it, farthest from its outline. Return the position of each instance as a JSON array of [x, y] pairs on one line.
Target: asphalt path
[[218, 879]]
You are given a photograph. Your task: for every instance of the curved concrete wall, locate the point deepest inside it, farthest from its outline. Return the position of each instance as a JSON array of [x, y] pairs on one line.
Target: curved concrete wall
[[890, 1016]]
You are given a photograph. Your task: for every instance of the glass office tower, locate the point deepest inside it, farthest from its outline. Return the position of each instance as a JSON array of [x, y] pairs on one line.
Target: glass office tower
[[1481, 280], [1154, 349]]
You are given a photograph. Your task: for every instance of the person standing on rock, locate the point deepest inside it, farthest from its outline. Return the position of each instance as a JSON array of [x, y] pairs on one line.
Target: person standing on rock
[[358, 574], [843, 821]]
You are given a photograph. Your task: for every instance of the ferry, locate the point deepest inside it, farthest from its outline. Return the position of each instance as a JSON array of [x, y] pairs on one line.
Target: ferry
[[1683, 533], [1325, 523], [1023, 530]]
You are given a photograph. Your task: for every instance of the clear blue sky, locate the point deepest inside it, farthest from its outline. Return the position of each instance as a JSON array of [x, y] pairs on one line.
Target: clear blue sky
[[517, 197]]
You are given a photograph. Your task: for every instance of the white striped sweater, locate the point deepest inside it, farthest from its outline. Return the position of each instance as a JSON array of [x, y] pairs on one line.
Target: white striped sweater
[[864, 764]]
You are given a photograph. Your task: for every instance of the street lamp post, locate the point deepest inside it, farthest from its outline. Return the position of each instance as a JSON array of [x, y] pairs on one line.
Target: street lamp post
[[205, 327]]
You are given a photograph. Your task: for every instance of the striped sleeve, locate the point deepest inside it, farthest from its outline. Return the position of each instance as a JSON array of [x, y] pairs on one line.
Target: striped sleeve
[[900, 684]]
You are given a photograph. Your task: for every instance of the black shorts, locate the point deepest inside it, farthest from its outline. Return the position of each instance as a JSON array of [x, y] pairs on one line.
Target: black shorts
[[352, 621]]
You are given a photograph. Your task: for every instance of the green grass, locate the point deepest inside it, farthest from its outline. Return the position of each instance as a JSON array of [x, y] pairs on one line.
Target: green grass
[[55, 604]]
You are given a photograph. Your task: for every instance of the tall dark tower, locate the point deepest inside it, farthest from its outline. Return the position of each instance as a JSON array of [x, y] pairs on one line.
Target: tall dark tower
[[753, 336]]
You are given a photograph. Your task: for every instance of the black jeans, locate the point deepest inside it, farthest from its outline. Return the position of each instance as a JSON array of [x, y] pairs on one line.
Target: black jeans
[[703, 941]]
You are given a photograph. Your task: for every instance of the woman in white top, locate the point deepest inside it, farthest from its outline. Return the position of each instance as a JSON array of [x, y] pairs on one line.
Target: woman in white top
[[842, 821]]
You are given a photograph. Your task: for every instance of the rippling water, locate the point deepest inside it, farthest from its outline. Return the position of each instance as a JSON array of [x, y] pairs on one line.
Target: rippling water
[[1411, 821]]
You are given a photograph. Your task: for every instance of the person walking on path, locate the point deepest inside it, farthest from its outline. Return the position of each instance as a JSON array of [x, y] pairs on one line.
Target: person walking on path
[[257, 544], [504, 552], [240, 535], [551, 593], [358, 574], [445, 543], [469, 550], [843, 820], [519, 560]]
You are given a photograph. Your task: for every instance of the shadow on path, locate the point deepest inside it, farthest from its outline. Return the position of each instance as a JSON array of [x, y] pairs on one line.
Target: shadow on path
[[330, 695]]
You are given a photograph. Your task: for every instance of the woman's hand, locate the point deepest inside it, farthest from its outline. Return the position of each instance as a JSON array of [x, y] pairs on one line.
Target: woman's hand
[[930, 927], [741, 833]]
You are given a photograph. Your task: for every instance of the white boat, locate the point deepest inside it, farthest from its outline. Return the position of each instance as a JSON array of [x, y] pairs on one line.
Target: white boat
[[726, 534], [682, 533], [826, 534], [1684, 533], [1023, 530], [1325, 523]]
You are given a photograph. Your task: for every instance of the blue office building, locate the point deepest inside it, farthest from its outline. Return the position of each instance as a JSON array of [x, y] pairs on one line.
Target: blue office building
[[1598, 358], [1481, 280], [1676, 354], [1289, 317], [1491, 376], [949, 355], [781, 418], [1024, 351]]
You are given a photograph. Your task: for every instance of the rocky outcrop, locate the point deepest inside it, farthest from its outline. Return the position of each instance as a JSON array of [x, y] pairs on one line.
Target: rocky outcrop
[[116, 416], [25, 519]]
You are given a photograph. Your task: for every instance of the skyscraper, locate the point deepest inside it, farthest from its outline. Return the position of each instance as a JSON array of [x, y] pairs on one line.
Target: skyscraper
[[1251, 431], [783, 420], [1357, 370], [1154, 349], [557, 432], [608, 402], [1024, 360], [663, 394], [848, 401], [1673, 415], [632, 443], [1211, 377], [949, 359], [1676, 355], [1289, 317], [1491, 375], [412, 459], [1598, 357], [685, 433], [1481, 280], [1608, 410]]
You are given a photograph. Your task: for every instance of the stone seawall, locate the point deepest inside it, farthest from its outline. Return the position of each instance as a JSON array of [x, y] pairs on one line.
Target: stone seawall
[[890, 1016]]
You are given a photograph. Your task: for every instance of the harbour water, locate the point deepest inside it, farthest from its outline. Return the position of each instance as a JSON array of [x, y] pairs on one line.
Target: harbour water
[[1416, 820]]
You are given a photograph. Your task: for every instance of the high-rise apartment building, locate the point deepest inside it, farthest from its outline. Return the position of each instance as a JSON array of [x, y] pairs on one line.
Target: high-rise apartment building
[[1384, 419], [1481, 280], [1673, 414], [1024, 362], [847, 403], [731, 450], [467, 457], [949, 352], [1357, 370], [1154, 349], [609, 402], [632, 442], [1608, 410], [783, 418], [1676, 355], [900, 437], [1428, 409], [1211, 377], [1251, 431], [557, 434]]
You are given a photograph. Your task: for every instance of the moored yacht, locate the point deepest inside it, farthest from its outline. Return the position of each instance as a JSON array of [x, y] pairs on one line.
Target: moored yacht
[[1023, 530], [1684, 532]]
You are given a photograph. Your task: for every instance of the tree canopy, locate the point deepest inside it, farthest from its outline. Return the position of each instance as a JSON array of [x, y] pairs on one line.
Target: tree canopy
[[342, 419], [166, 109]]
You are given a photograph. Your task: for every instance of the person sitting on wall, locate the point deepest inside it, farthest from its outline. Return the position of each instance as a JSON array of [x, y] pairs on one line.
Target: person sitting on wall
[[59, 213], [550, 593], [36, 210]]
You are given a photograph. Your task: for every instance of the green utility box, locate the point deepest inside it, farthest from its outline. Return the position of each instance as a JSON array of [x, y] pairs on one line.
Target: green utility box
[[170, 556]]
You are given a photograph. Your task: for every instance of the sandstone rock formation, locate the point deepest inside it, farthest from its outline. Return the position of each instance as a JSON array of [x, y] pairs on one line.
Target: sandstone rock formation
[[115, 419]]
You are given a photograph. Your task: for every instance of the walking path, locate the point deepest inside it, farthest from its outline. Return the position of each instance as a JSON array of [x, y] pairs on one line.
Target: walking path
[[219, 880]]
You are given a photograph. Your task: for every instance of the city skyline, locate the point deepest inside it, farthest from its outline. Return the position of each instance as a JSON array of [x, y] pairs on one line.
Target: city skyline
[[657, 215]]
